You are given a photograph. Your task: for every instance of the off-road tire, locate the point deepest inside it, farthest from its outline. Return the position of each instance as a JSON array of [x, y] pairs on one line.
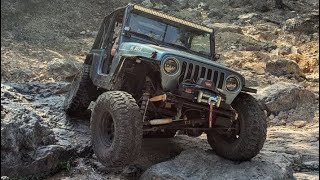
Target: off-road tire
[[160, 134], [127, 122], [81, 93], [253, 131]]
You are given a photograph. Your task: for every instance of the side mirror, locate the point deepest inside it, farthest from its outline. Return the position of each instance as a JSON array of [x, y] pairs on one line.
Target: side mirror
[[126, 30]]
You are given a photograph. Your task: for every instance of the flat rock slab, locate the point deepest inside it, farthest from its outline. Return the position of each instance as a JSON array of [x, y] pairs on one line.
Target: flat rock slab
[[200, 164], [307, 175]]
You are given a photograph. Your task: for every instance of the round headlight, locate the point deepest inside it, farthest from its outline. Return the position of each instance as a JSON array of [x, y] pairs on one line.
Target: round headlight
[[170, 65], [232, 83]]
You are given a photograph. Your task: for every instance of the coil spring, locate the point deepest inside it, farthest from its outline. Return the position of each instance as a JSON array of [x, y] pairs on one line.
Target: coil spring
[[145, 98]]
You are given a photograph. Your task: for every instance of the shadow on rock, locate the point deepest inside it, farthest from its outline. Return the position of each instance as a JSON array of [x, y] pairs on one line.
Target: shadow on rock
[[199, 164]]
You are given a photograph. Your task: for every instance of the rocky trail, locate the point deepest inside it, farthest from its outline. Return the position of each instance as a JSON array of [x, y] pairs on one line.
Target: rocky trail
[[43, 44], [38, 140]]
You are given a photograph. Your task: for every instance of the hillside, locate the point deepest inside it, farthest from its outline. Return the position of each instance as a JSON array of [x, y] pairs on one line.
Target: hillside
[[43, 44]]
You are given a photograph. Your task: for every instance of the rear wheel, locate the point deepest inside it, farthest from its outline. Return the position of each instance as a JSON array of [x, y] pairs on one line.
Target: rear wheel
[[81, 93], [116, 127], [248, 133]]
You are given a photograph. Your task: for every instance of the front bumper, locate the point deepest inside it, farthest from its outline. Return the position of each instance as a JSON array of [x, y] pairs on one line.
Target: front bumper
[[192, 70]]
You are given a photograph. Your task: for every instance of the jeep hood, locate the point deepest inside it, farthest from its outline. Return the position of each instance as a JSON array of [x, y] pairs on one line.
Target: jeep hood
[[147, 50]]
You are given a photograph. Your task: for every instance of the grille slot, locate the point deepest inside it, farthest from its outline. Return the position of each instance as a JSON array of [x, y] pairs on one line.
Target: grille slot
[[196, 73], [209, 74], [193, 72], [215, 77], [183, 71], [221, 79], [203, 71]]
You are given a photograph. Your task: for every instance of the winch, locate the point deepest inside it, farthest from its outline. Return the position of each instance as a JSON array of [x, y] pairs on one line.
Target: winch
[[210, 99], [213, 101]]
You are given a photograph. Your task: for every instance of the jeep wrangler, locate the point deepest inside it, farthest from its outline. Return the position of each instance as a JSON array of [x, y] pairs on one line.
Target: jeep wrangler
[[149, 75]]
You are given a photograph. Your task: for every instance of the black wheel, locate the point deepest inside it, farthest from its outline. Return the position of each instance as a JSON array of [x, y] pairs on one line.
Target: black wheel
[[160, 134], [116, 127], [248, 133], [81, 93]]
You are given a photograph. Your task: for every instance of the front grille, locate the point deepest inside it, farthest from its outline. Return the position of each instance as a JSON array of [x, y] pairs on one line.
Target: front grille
[[193, 72]]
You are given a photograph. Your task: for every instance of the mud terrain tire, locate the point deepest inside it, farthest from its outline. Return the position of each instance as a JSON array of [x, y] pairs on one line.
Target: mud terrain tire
[[252, 135], [116, 127], [81, 93], [159, 134]]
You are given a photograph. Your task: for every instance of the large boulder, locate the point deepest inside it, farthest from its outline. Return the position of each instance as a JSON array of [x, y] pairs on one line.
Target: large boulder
[[63, 69], [25, 140], [284, 67], [284, 96], [305, 24], [306, 64], [199, 164], [35, 136]]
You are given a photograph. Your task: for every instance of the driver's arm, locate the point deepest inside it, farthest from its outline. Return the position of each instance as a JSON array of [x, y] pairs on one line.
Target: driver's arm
[[114, 46]]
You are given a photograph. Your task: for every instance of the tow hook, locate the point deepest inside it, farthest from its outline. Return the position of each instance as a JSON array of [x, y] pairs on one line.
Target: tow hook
[[210, 114], [213, 101]]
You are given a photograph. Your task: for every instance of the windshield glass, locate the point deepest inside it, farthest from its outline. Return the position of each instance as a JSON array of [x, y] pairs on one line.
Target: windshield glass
[[178, 37]]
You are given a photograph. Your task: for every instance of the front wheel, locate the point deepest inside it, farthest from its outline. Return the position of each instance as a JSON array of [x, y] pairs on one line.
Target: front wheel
[[116, 127], [248, 133]]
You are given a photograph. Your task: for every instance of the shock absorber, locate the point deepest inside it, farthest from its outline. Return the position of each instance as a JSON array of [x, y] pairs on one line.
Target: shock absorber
[[145, 98], [144, 104]]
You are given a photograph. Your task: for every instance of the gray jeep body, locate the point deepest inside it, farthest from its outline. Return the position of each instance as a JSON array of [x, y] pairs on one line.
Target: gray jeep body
[[162, 77], [138, 48]]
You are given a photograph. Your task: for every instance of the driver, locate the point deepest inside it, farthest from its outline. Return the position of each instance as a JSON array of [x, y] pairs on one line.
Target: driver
[[115, 46]]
